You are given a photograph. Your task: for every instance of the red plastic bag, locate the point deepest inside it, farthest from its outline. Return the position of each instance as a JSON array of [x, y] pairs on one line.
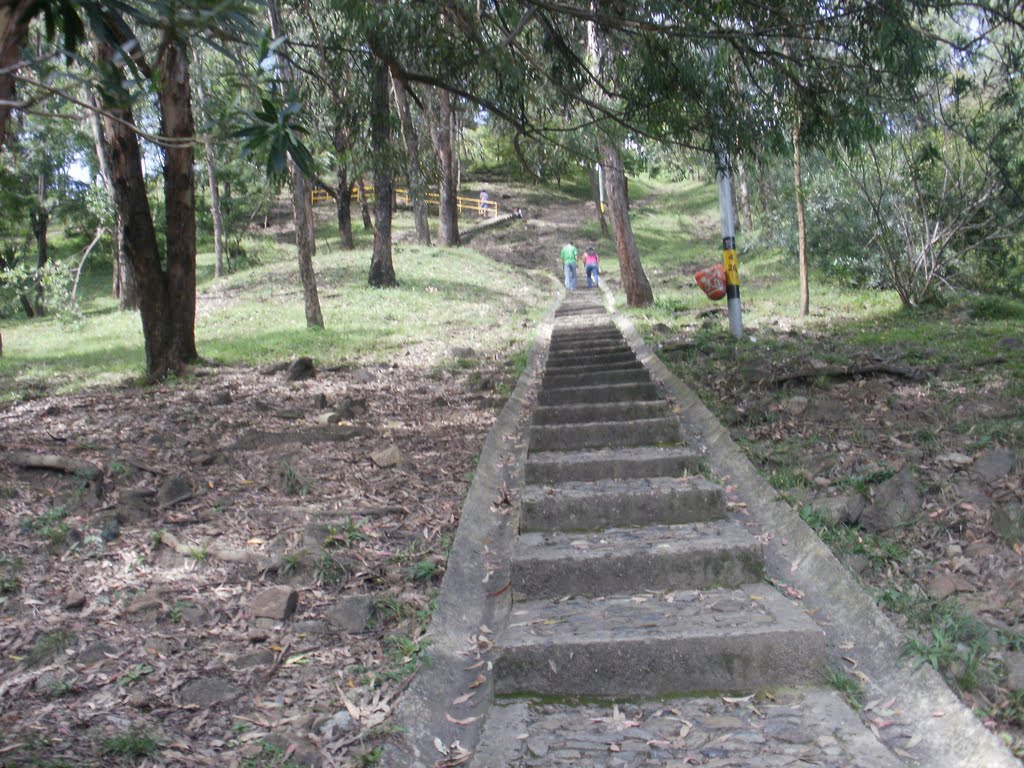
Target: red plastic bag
[[712, 281]]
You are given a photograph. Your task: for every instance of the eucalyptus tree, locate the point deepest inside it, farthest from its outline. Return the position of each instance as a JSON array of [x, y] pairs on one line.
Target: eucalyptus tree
[[140, 56]]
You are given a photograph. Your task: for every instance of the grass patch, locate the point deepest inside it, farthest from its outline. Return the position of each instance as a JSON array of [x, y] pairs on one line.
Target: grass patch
[[48, 646], [132, 743], [848, 686], [846, 540], [254, 316]]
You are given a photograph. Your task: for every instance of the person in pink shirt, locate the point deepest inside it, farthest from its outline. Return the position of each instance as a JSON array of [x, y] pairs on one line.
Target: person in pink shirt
[[590, 265]]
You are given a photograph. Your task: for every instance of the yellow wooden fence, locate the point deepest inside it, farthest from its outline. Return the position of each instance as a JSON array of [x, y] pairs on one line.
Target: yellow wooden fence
[[474, 204]]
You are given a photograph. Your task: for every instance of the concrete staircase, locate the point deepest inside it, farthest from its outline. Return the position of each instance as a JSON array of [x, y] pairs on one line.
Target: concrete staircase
[[629, 578]]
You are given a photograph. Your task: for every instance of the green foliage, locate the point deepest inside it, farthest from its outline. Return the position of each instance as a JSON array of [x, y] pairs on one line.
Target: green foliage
[[269, 756], [275, 133], [48, 646], [10, 582], [848, 540], [293, 484], [329, 572], [850, 687], [423, 570], [954, 643], [133, 743], [50, 525]]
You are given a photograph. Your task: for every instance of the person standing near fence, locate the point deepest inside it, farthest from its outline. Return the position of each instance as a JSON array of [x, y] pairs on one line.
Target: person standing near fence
[[484, 197], [569, 254], [590, 265]]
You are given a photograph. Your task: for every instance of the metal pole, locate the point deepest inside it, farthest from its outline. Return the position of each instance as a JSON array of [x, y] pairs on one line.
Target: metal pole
[[600, 184], [729, 259]]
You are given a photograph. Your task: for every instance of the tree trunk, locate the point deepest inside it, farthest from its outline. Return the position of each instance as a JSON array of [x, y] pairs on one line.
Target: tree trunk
[[135, 222], [805, 293], [302, 205], [211, 177], [344, 206], [634, 280], [215, 208], [123, 285], [382, 269], [744, 193], [364, 206], [417, 187], [13, 35], [305, 241], [595, 188], [179, 192], [40, 227], [448, 226]]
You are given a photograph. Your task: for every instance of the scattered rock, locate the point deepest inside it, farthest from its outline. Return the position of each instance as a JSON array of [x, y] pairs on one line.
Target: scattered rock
[[827, 410], [661, 328], [1008, 522], [320, 401], [208, 691], [310, 627], [301, 752], [290, 414], [955, 460], [796, 405], [135, 504], [146, 604], [387, 457], [277, 603], [75, 600], [1010, 343], [896, 502], [110, 527], [840, 509], [174, 489], [464, 352], [99, 651], [1015, 670], [350, 613], [940, 586], [221, 398], [351, 407], [337, 725], [995, 464], [300, 369], [262, 658], [330, 418]]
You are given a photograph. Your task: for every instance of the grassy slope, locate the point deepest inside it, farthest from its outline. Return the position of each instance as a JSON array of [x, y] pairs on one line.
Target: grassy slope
[[255, 316]]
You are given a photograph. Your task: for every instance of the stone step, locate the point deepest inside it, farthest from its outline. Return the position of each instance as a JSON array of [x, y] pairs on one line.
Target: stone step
[[569, 335], [596, 505], [588, 367], [600, 393], [580, 310], [589, 412], [657, 557], [795, 727], [604, 434], [658, 645], [553, 467], [585, 357], [571, 355], [595, 378]]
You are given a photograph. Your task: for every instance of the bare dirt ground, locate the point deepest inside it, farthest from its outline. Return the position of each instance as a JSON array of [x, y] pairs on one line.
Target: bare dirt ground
[[219, 579]]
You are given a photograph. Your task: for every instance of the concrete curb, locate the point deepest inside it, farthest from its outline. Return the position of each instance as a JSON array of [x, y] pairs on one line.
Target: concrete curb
[[483, 545], [947, 734]]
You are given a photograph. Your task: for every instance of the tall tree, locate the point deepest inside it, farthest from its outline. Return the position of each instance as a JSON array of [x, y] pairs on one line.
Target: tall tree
[[382, 269], [417, 186], [442, 130], [302, 203], [634, 279]]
